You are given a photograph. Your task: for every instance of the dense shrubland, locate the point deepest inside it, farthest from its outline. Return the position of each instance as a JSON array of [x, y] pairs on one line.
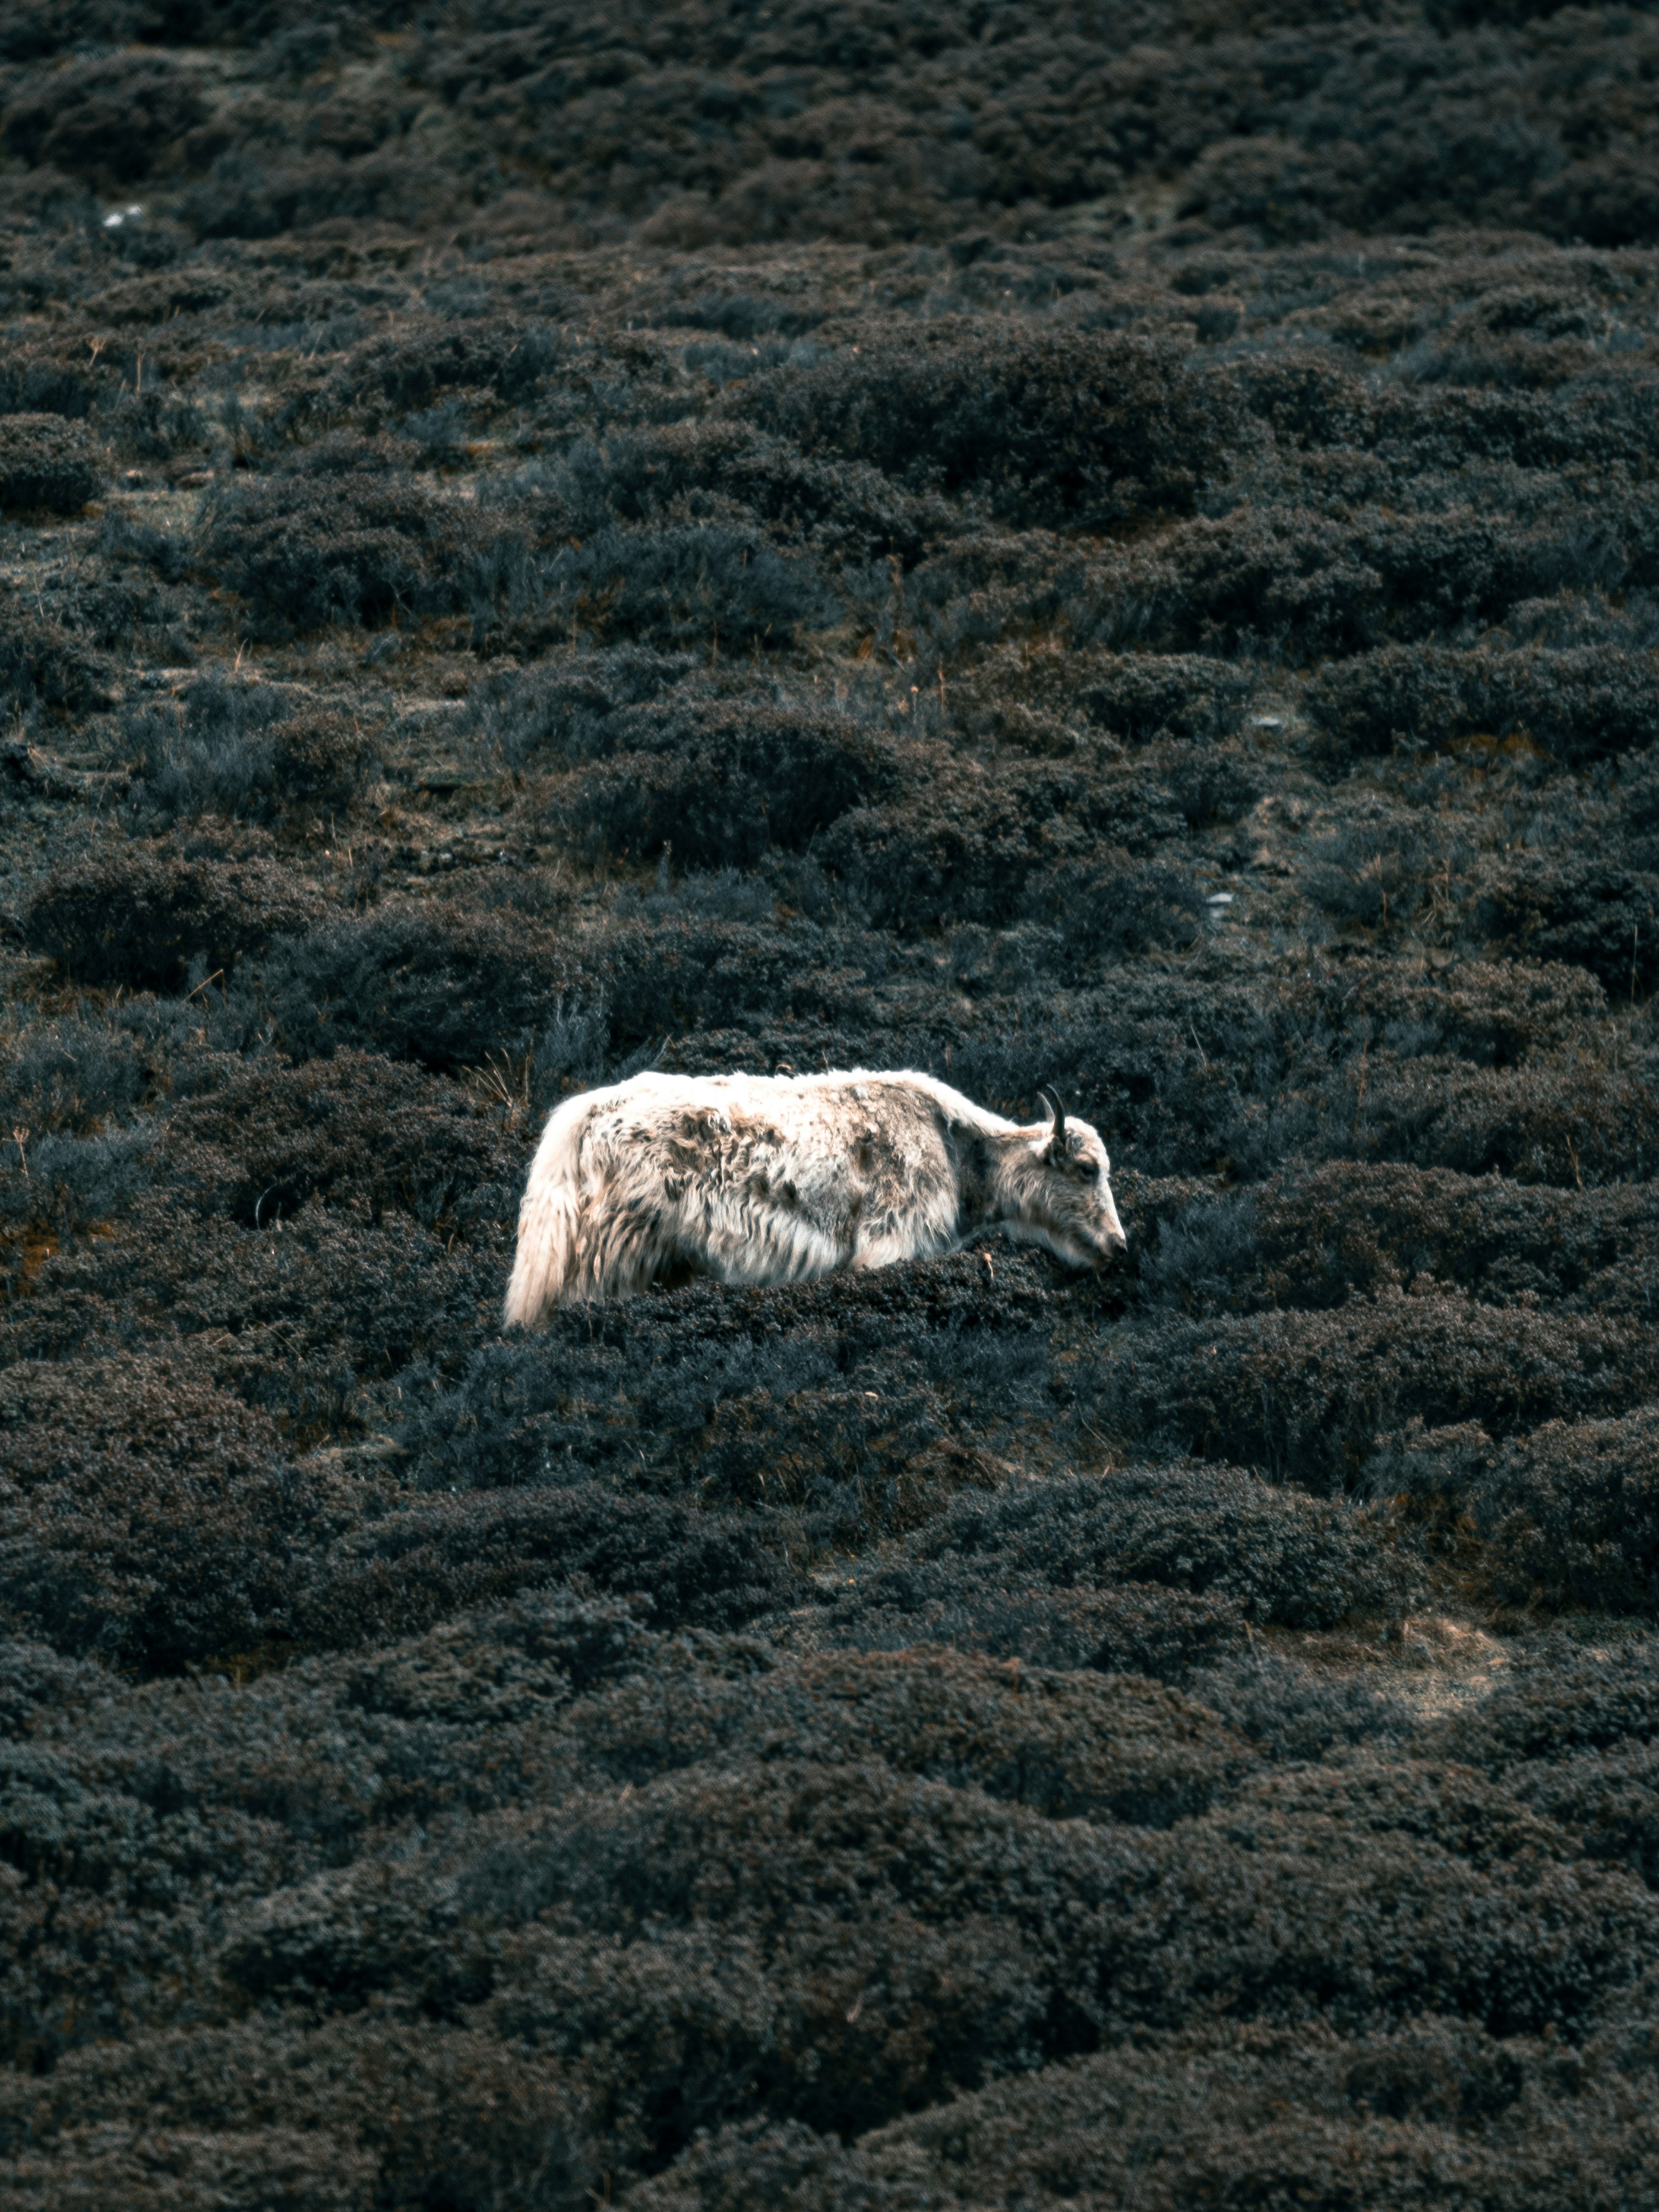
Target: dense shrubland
[[1048, 552]]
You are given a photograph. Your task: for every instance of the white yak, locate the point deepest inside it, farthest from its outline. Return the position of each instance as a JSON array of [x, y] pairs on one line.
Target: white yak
[[777, 1179]]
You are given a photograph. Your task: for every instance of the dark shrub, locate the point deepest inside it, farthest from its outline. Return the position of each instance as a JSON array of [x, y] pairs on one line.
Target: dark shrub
[[1166, 2123], [46, 462], [955, 853], [34, 379], [425, 357], [846, 508], [364, 547], [40, 662], [965, 1603], [319, 758], [36, 1683], [1574, 705], [719, 784], [309, 1318], [1580, 909], [1309, 397], [997, 845], [352, 1131], [105, 119], [316, 2120], [1101, 1747], [1305, 1394], [1311, 1237], [852, 1403], [670, 977], [139, 2169], [1143, 695], [1292, 1711], [1341, 1900], [1050, 427], [412, 1566], [241, 751], [1570, 1729], [139, 915], [562, 708], [1313, 582], [1560, 1698], [1610, 1797], [718, 585], [1117, 906], [1209, 1076], [1282, 1556], [57, 1186], [1572, 1513], [152, 1521], [1552, 1121], [69, 1076], [429, 982]]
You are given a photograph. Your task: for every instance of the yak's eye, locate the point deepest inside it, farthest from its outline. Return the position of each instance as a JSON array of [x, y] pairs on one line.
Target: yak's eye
[[1089, 1170]]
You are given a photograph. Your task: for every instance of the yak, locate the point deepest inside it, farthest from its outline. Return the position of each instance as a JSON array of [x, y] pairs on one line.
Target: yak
[[777, 1179]]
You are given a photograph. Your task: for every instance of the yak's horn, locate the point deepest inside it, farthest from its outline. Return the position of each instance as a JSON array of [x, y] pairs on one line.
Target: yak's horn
[[1051, 1100]]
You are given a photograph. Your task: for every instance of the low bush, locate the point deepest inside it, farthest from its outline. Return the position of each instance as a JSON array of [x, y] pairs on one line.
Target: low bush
[[857, 1415], [139, 915], [563, 709], [243, 752], [1572, 705], [1264, 2110], [304, 550], [1139, 696], [1306, 582], [68, 1076], [1599, 915], [431, 982], [1137, 1629], [105, 119], [676, 976], [1609, 1797], [311, 1318], [1281, 1556], [1562, 1697], [847, 509], [426, 357], [37, 379], [1103, 1747], [46, 462], [1290, 1711], [1304, 1395], [152, 1521], [411, 1566], [351, 1131], [1572, 1513], [41, 664], [1048, 426], [992, 847], [719, 585], [37, 1683], [1078, 1926], [319, 2120], [1309, 1238], [1476, 1069], [719, 784]]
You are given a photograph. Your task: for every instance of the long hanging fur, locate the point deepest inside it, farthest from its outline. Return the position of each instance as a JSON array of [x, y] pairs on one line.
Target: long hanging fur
[[757, 1179], [548, 1218]]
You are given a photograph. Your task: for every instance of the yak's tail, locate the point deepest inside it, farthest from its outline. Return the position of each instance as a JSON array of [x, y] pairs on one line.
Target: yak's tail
[[548, 1220]]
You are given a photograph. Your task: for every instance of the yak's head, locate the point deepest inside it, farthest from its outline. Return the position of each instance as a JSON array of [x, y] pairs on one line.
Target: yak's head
[[1061, 1193]]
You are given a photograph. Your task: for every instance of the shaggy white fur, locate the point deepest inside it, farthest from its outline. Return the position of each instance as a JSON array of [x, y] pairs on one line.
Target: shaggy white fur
[[775, 1179]]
